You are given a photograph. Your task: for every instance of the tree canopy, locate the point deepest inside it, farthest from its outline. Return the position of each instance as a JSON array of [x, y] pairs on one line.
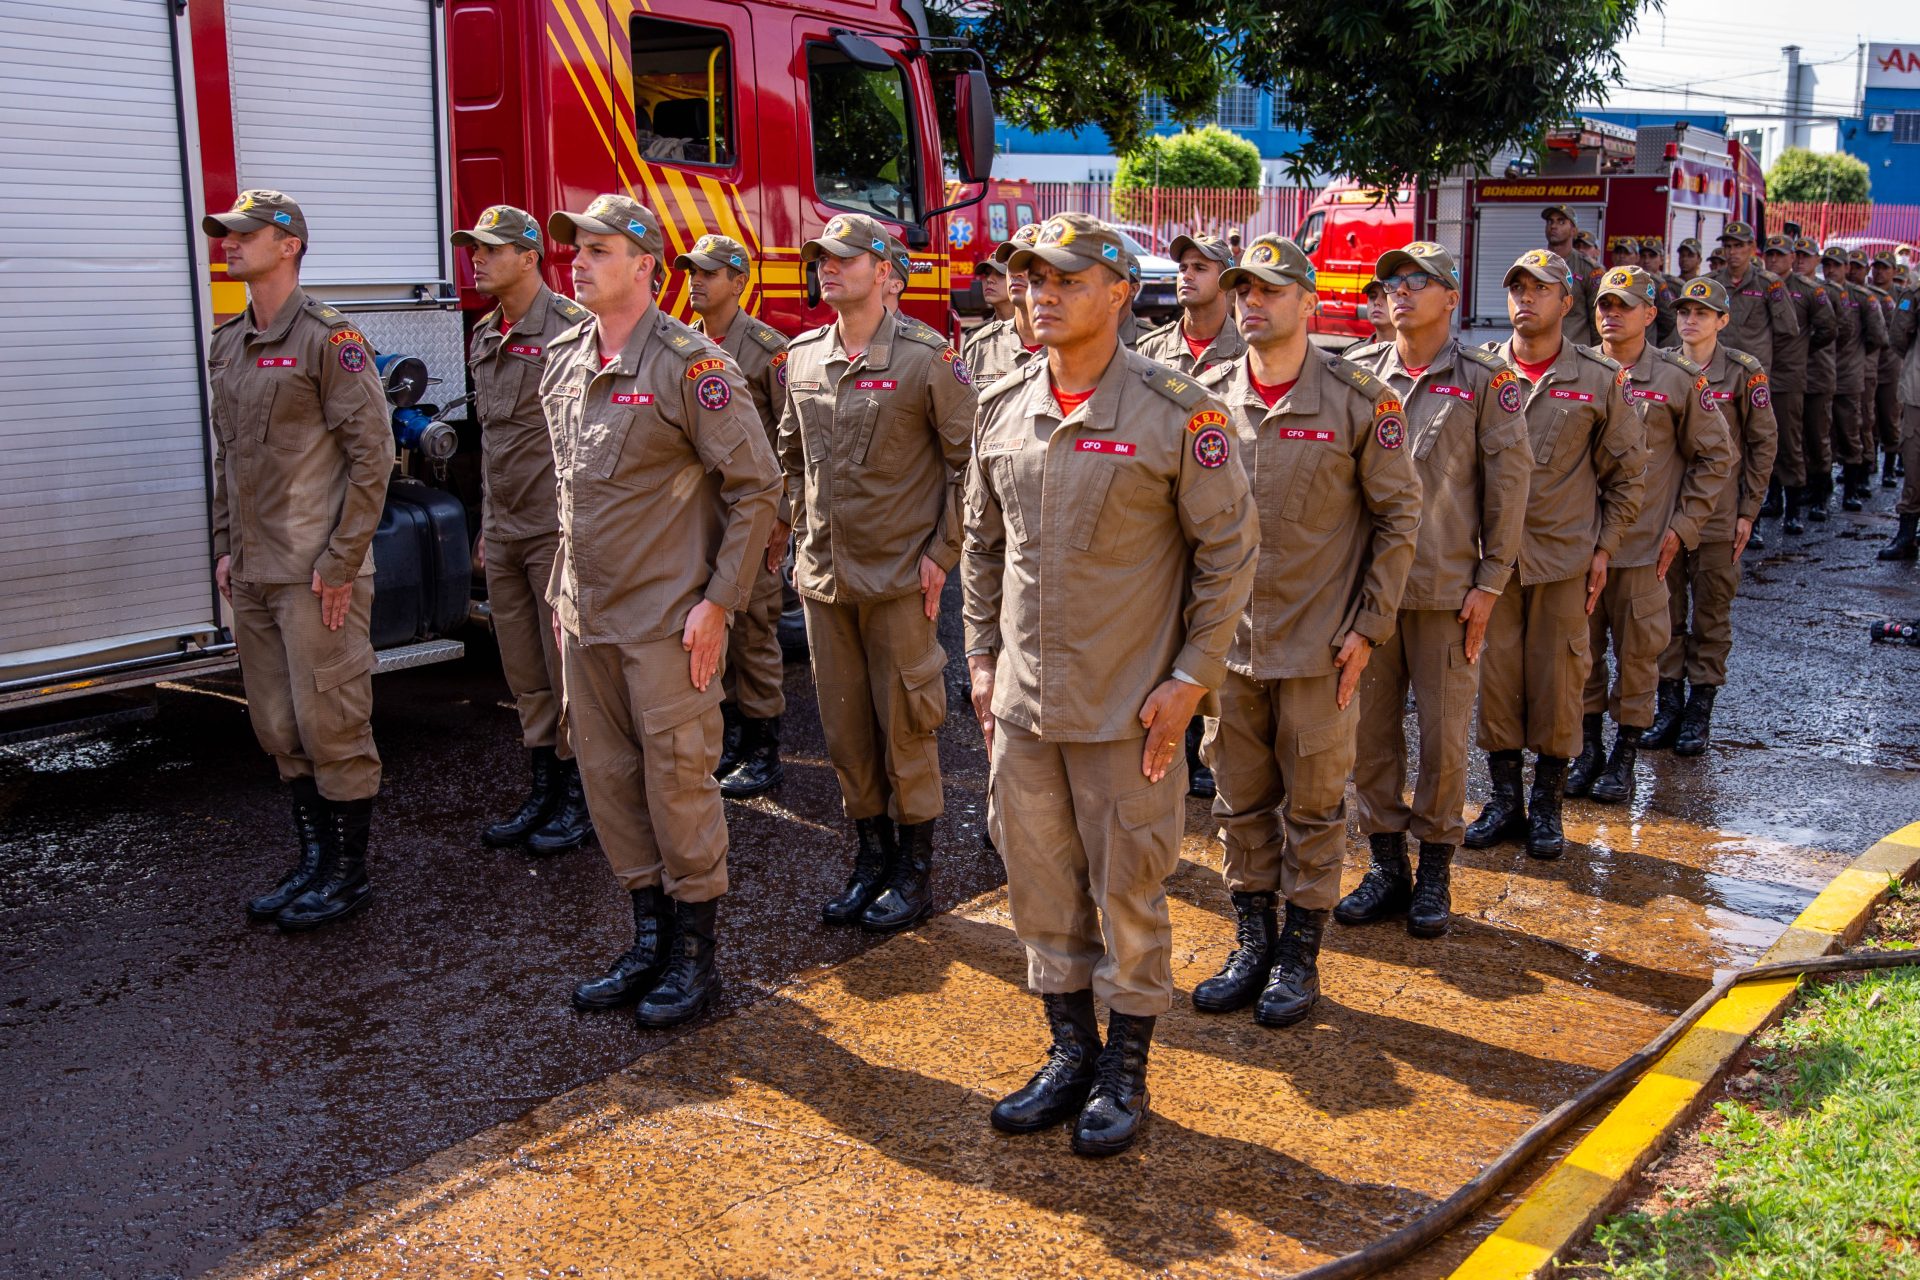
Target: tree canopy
[[1209, 158], [1833, 177], [1390, 91]]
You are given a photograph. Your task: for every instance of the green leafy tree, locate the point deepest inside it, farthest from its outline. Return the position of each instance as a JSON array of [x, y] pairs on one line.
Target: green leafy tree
[[1835, 177], [1390, 90], [1209, 157]]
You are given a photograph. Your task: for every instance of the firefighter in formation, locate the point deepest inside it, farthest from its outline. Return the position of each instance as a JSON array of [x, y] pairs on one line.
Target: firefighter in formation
[[1225, 520]]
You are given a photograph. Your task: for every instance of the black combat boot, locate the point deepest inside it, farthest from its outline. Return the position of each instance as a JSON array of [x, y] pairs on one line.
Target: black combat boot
[[1696, 727], [1755, 542], [1771, 507], [758, 768], [637, 968], [1889, 477], [1117, 1106], [873, 859], [1432, 906], [1592, 758], [1294, 983], [340, 886], [1615, 782], [1852, 491], [313, 824], [1545, 840], [1199, 777], [1791, 522], [1059, 1088], [1670, 700], [570, 824], [907, 896], [1387, 887], [1245, 971], [1906, 542], [689, 980], [1819, 494], [732, 728], [542, 798], [1505, 817]]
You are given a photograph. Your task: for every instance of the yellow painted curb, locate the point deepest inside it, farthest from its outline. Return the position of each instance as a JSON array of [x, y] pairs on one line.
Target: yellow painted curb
[[1596, 1174]]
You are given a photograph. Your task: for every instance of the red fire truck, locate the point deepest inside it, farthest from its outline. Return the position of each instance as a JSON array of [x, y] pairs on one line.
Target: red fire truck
[[975, 229], [393, 122]]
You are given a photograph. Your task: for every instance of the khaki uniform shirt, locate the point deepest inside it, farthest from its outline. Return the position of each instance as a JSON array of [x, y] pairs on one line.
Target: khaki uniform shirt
[[875, 451], [1761, 310], [1589, 463], [1167, 345], [1850, 346], [1106, 549], [1339, 504], [1689, 454], [993, 351], [667, 486], [1743, 393], [1131, 330], [516, 453], [1468, 435], [1890, 348], [1792, 357], [761, 352], [1582, 283], [1666, 323], [304, 445], [1909, 305]]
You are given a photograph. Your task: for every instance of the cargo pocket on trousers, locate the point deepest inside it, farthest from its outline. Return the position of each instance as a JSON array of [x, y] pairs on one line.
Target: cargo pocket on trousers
[[336, 673], [1652, 622], [678, 752], [343, 703], [1325, 735], [924, 708], [1134, 817]]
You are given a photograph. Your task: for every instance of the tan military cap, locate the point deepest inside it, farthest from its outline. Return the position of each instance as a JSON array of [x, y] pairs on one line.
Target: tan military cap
[[1075, 242], [1884, 258], [847, 235], [902, 261], [1023, 238], [990, 267], [1582, 238], [1559, 210], [502, 224], [1209, 246], [1630, 283], [1429, 257], [1622, 244], [1690, 245], [257, 209], [1858, 256], [1737, 233], [1706, 291], [1779, 244], [610, 215], [1273, 260], [1652, 244], [715, 253], [1541, 264], [1807, 245]]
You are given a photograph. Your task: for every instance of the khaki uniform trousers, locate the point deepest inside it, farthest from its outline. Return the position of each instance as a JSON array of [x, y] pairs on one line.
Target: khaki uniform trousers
[[1909, 504], [1632, 609], [1789, 411], [756, 671], [310, 690], [1887, 415], [880, 675], [647, 742], [1534, 668], [1281, 753], [1851, 443], [1089, 844], [1702, 582], [517, 576], [1817, 431], [1427, 653]]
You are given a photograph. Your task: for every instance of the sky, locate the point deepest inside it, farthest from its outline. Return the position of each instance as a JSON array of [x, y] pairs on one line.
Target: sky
[[1724, 55]]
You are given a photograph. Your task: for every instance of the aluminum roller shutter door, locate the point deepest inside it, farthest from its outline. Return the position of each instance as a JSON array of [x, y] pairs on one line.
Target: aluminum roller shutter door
[[103, 471], [335, 102], [1504, 232]]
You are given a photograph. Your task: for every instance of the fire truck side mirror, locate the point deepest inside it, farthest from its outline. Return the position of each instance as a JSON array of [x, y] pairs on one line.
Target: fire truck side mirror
[[862, 52], [974, 103]]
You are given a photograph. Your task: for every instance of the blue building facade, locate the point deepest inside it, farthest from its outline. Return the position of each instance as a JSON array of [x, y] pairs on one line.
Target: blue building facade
[[1887, 134]]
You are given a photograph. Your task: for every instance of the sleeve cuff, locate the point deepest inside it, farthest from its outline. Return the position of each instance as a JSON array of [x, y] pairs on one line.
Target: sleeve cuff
[[333, 572], [725, 593], [222, 545], [942, 553], [1184, 678], [1204, 671], [1688, 532], [1492, 576], [1377, 628], [982, 638]]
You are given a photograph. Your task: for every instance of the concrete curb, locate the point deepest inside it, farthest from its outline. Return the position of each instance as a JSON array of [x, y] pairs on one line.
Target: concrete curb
[[1595, 1176]]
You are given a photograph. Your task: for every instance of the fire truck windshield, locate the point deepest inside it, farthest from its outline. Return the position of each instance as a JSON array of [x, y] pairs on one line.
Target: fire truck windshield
[[863, 156]]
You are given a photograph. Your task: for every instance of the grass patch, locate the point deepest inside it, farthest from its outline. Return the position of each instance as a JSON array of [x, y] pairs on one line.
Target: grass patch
[[1809, 1168]]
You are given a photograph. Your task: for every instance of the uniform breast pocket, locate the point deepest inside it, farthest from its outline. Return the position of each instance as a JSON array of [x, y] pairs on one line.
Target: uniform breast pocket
[[859, 425], [1448, 442], [1546, 440], [1329, 489], [899, 435], [637, 450], [1114, 509], [292, 414], [1002, 476], [816, 429]]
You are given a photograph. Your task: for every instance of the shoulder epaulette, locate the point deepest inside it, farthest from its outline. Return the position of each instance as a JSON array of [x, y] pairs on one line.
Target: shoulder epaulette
[[1679, 361], [1168, 327], [922, 332], [1366, 351], [331, 315], [1744, 360], [769, 338], [568, 308], [810, 335], [239, 315], [1486, 359], [1011, 380], [1599, 357], [1177, 387], [1214, 375], [1347, 371], [688, 342], [571, 334]]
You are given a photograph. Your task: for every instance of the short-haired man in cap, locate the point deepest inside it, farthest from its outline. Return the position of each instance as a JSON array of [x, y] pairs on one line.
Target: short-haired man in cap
[[1815, 464], [519, 521], [1906, 540], [1878, 270], [719, 268], [902, 274], [1852, 349], [1110, 545], [1332, 565], [1623, 251], [1589, 473], [1702, 582], [873, 440], [1584, 248], [1788, 380], [667, 493], [1689, 254], [1690, 454], [1582, 269], [1468, 435], [1379, 314], [1004, 344], [1873, 318], [1762, 312], [303, 449]]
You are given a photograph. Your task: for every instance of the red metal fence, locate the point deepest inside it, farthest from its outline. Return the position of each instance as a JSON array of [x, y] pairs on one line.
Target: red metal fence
[[1896, 224], [1156, 215]]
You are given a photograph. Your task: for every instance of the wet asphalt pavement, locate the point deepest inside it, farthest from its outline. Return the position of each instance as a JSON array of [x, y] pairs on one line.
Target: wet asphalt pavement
[[179, 1081]]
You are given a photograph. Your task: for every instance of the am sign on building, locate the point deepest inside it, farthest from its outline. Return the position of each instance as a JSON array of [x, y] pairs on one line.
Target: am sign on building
[[1888, 134]]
